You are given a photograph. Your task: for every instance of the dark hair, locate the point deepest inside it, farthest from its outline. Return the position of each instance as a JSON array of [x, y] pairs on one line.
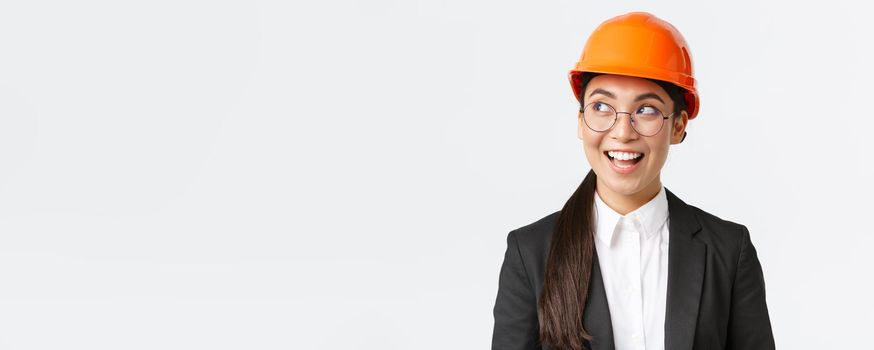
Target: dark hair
[[676, 93], [569, 263]]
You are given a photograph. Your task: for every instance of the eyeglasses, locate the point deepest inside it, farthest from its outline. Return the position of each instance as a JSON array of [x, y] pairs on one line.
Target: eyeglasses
[[646, 120]]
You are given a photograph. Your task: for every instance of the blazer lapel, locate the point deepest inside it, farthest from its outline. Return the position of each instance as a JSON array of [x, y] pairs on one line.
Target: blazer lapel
[[596, 318], [685, 275]]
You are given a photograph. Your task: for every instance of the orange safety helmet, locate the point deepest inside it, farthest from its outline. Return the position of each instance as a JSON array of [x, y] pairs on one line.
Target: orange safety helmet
[[641, 45]]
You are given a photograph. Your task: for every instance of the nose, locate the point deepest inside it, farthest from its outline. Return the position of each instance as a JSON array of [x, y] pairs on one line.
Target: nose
[[623, 130]]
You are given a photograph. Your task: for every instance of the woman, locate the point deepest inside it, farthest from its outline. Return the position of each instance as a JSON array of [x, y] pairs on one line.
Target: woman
[[626, 264]]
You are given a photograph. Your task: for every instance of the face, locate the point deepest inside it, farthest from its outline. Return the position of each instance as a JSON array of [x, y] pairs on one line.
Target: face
[[635, 178]]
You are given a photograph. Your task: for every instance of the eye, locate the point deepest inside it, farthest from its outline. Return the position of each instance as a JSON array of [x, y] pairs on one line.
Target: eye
[[648, 111], [601, 107]]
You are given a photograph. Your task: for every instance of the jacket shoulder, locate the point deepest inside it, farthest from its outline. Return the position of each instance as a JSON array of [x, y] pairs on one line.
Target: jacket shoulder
[[533, 241], [708, 219], [721, 234], [534, 238]]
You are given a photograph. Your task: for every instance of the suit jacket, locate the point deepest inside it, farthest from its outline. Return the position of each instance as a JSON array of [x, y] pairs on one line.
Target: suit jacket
[[715, 296]]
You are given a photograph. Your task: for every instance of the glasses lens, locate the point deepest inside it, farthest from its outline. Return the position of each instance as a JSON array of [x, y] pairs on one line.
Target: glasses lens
[[648, 120], [599, 116]]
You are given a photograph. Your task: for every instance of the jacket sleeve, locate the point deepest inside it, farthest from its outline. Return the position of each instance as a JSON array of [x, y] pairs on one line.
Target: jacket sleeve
[[749, 326], [515, 311]]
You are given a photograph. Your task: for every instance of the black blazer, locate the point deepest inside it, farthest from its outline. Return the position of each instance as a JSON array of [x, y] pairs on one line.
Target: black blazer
[[715, 296]]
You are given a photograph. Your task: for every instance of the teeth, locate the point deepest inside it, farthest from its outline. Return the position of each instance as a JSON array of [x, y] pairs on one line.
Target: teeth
[[624, 155]]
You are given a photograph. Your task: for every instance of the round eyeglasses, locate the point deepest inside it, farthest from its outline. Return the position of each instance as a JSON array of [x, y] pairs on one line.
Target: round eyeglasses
[[646, 120]]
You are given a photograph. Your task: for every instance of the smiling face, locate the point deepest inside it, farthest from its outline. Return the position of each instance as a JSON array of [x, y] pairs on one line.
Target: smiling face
[[629, 183]]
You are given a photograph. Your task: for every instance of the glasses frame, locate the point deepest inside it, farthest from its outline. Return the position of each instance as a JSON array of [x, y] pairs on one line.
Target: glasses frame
[[616, 118]]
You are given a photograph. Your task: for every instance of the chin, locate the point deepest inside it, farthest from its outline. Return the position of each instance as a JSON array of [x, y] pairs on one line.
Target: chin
[[625, 188], [623, 185]]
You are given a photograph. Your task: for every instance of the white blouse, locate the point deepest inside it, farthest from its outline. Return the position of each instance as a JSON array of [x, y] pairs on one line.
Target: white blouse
[[633, 255]]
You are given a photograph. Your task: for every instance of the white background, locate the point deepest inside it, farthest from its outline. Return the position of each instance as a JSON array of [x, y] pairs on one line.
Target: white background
[[343, 175]]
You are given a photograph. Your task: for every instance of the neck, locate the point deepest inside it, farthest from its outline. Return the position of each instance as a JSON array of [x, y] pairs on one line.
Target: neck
[[626, 203]]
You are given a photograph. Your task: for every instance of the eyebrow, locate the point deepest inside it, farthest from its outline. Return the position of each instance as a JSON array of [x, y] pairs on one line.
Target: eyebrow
[[638, 98]]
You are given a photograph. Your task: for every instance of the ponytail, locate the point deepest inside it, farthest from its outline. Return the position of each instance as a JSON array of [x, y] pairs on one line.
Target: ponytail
[[568, 272]]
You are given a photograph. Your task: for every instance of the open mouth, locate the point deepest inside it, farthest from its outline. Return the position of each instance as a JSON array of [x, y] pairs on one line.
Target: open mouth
[[624, 160]]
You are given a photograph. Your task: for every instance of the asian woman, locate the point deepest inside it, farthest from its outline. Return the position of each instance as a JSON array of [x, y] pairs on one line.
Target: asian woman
[[627, 264]]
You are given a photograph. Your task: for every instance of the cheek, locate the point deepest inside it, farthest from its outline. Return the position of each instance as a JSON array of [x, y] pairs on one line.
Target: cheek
[[657, 159], [658, 154], [592, 146]]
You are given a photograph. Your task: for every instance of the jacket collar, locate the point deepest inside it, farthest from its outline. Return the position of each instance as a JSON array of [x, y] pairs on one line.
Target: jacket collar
[[685, 275]]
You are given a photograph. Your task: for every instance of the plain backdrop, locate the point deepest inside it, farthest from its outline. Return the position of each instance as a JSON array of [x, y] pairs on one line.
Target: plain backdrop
[[343, 174]]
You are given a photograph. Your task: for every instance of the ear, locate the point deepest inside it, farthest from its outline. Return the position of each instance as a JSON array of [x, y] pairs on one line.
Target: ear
[[580, 125], [678, 132]]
